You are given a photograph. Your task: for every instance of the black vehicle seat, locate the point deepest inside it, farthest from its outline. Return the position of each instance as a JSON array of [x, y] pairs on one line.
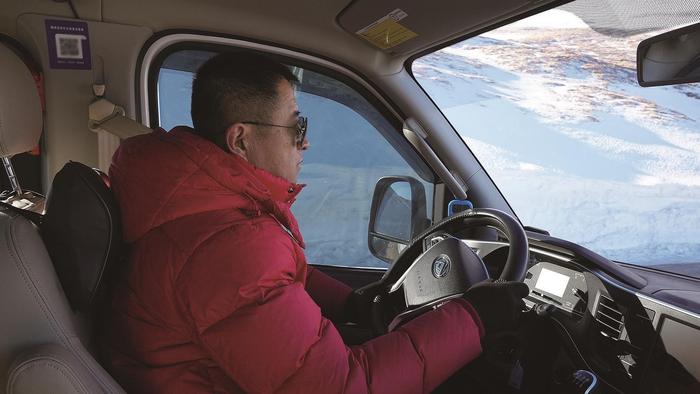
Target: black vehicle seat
[[82, 233], [44, 339]]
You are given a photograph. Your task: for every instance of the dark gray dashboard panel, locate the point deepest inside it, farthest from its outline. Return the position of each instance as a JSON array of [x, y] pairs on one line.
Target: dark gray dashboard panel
[[686, 298], [682, 341], [674, 362], [657, 347]]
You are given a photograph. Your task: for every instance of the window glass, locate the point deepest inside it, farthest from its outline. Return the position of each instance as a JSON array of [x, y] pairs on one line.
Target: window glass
[[174, 98], [352, 147], [551, 107]]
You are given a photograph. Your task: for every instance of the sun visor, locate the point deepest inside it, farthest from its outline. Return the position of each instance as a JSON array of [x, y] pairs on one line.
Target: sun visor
[[406, 27], [624, 18]]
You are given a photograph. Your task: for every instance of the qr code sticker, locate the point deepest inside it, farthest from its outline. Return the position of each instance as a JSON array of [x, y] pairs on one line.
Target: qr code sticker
[[69, 46]]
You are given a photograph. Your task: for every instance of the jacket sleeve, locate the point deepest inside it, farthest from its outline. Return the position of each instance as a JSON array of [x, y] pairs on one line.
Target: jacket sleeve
[[328, 293], [261, 327]]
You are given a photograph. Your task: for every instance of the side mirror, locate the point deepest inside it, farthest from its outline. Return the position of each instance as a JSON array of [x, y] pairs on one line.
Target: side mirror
[[670, 58], [398, 214]]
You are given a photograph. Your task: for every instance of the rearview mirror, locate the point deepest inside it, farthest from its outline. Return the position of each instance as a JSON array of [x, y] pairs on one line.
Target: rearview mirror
[[398, 214], [670, 58]]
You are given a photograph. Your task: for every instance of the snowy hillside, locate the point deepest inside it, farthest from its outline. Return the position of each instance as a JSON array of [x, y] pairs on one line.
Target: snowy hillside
[[577, 147]]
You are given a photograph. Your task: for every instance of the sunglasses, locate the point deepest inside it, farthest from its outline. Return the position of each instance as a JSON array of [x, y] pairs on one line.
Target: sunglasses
[[300, 128]]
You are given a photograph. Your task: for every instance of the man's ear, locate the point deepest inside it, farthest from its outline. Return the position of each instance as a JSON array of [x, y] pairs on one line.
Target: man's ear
[[236, 136]]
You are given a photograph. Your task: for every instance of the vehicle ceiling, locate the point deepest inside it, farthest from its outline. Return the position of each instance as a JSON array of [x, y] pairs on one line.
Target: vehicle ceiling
[[325, 27], [329, 27]]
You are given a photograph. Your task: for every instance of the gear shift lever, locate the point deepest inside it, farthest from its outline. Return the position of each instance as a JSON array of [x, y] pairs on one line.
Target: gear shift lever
[[582, 382]]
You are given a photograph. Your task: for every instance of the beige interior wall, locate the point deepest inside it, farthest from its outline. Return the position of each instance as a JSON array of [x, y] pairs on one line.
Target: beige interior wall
[[114, 49]]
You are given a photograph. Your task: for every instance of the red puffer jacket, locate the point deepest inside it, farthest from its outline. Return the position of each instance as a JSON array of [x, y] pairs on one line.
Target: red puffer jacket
[[216, 294]]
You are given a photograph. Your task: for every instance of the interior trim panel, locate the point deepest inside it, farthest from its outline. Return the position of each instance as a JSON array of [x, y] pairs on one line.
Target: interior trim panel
[[631, 340]]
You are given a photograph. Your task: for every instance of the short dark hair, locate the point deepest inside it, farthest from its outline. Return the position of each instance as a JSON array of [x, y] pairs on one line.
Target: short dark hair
[[234, 87]]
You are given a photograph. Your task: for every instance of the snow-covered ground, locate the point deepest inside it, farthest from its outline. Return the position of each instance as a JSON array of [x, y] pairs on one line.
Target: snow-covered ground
[[577, 147]]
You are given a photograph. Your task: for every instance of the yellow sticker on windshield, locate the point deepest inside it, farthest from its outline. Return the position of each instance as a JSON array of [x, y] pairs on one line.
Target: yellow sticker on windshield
[[387, 32]]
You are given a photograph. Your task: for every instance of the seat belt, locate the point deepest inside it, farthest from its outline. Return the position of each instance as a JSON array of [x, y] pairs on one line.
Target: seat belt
[[109, 117], [110, 123]]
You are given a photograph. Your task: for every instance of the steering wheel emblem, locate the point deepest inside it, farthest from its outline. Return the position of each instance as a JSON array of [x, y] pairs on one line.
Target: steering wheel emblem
[[441, 266]]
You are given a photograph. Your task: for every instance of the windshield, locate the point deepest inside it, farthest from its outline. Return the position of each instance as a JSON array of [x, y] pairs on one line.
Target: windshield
[[551, 107]]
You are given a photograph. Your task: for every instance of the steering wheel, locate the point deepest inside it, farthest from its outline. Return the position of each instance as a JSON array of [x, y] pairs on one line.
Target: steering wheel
[[419, 281]]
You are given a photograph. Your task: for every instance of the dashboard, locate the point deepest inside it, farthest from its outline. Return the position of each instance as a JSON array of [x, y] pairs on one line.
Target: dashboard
[[634, 342], [556, 285]]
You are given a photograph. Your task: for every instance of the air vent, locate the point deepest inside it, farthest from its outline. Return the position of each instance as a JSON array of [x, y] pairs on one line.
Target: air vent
[[609, 317]]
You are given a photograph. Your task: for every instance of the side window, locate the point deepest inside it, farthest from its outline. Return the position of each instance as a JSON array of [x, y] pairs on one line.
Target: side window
[[353, 145]]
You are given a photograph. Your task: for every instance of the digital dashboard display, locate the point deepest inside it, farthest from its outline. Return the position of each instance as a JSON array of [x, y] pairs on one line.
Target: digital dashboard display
[[552, 282]]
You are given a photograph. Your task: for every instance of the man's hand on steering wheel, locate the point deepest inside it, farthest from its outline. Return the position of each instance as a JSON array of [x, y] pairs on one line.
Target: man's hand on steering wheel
[[498, 303]]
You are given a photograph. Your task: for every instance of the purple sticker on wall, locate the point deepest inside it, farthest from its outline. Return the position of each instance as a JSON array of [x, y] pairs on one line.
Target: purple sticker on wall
[[69, 44]]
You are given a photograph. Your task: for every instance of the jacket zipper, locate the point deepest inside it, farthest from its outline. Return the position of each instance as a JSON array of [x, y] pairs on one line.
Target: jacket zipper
[[288, 231]]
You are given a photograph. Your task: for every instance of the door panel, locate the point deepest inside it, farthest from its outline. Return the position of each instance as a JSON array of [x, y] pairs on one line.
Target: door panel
[[351, 276]]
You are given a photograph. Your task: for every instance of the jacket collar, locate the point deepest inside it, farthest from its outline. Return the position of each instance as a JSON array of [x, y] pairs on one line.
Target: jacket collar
[[280, 192], [279, 188], [272, 193]]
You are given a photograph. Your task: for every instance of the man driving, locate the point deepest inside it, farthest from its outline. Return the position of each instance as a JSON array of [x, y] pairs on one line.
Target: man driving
[[217, 295]]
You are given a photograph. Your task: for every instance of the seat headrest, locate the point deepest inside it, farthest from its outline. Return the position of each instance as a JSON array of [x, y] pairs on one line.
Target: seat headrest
[[82, 233], [20, 106]]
